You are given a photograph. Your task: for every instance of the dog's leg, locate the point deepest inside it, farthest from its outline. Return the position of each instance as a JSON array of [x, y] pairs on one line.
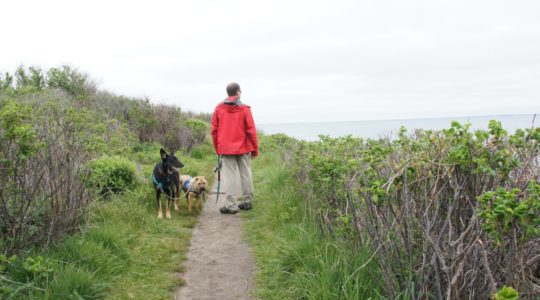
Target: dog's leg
[[189, 201], [199, 202], [158, 196], [176, 196], [168, 205]]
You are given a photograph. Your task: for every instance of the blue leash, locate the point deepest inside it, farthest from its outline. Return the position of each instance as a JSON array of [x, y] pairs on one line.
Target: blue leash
[[218, 170]]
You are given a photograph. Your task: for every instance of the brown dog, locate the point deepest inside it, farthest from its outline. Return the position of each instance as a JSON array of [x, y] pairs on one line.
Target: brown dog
[[193, 187]]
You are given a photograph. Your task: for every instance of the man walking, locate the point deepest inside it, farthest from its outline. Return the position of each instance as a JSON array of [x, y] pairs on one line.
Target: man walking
[[235, 141]]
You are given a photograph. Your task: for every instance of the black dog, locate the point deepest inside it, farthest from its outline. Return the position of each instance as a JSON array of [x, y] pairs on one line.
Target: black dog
[[166, 180]]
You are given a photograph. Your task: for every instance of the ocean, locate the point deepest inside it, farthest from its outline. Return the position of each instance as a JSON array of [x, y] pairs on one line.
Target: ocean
[[383, 128]]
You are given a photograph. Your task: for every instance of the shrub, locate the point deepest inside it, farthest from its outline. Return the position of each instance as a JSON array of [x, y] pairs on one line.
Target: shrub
[[42, 192], [166, 125], [112, 174], [70, 80], [513, 214], [198, 130], [453, 213], [506, 293]]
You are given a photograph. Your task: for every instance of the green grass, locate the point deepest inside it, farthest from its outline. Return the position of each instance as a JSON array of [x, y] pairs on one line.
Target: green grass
[[157, 248], [125, 252], [122, 252], [294, 261], [153, 248]]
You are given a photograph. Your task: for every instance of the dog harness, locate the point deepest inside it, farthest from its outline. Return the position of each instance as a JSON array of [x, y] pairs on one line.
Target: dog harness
[[187, 185], [157, 184]]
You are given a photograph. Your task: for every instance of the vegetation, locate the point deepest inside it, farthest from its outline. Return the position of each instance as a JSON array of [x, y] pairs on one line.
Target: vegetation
[[64, 145], [426, 215], [446, 214], [294, 260], [112, 174]]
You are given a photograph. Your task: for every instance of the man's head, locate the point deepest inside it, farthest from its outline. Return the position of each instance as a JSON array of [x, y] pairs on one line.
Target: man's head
[[233, 89]]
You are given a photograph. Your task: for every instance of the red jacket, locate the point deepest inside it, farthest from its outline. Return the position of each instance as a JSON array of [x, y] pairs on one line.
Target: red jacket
[[233, 129]]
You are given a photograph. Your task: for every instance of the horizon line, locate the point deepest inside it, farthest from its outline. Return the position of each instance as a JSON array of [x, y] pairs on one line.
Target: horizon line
[[404, 119]]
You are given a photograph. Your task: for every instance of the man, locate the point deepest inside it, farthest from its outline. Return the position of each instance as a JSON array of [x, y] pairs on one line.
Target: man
[[235, 141]]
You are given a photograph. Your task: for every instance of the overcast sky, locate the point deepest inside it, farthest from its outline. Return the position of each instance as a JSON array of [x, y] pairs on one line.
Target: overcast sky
[[296, 61]]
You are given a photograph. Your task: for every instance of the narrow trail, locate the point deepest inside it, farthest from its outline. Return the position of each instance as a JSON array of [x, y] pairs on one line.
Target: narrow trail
[[219, 263]]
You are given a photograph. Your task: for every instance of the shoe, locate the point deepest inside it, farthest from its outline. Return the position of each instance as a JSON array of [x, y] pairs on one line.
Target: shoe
[[245, 206], [225, 210]]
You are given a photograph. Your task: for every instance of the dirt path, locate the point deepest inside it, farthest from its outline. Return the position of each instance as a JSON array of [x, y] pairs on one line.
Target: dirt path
[[219, 263]]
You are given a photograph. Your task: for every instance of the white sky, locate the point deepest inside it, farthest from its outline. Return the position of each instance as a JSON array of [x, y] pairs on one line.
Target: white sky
[[296, 61]]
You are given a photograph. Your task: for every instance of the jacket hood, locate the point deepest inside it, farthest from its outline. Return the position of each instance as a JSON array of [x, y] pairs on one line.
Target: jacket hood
[[232, 100], [233, 103]]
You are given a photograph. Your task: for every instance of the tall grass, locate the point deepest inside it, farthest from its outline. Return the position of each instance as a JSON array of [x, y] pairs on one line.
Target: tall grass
[[294, 260]]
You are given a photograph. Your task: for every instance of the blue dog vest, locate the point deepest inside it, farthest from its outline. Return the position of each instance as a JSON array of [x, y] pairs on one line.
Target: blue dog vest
[[157, 184], [187, 184]]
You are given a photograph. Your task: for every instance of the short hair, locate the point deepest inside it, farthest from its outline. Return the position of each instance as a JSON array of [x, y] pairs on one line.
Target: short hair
[[233, 88]]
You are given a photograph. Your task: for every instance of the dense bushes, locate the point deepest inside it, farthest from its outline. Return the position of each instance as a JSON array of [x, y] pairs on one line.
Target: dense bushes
[[164, 124], [52, 123], [449, 214], [42, 191], [62, 143]]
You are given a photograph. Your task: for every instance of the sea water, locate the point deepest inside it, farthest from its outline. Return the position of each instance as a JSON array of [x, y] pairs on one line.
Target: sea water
[[385, 128]]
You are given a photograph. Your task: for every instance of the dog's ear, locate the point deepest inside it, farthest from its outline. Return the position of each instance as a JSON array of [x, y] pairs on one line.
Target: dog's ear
[[163, 153]]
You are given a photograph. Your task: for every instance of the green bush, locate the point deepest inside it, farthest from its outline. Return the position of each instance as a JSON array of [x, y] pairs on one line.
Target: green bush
[[198, 130], [199, 127], [112, 174], [506, 293], [513, 213], [43, 145], [70, 80], [203, 150], [275, 142]]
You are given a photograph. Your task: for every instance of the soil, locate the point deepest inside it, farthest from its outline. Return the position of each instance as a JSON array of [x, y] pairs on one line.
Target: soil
[[219, 263]]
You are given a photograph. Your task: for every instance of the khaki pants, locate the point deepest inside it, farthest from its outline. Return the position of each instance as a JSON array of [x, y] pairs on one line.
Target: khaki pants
[[236, 175]]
